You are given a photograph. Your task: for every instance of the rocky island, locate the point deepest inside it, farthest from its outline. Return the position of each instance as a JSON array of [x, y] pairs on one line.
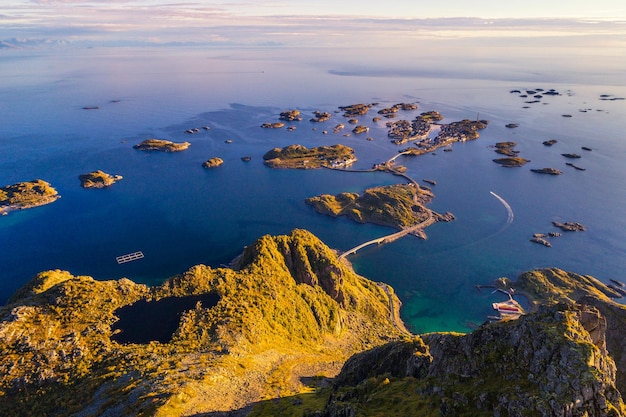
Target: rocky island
[[359, 109], [28, 194], [212, 162], [301, 157], [98, 179], [512, 162], [506, 148], [569, 226], [161, 145], [548, 171], [399, 206]]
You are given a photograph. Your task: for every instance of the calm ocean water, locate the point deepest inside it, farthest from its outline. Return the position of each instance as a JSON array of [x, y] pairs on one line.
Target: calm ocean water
[[180, 214]]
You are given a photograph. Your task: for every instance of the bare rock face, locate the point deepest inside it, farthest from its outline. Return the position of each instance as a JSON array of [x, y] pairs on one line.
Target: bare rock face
[[595, 324]]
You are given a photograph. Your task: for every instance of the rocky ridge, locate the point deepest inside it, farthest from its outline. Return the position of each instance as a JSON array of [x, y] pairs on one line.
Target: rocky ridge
[[288, 310], [563, 359]]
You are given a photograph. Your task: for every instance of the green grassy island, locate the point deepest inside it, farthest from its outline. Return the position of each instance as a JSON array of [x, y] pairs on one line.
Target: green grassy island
[[161, 145], [28, 194], [301, 157], [98, 179], [398, 206]]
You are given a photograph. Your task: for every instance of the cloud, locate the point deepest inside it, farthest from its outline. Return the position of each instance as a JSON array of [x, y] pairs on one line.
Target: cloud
[[255, 22]]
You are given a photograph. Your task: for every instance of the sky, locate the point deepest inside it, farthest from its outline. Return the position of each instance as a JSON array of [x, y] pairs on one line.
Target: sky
[[292, 22]]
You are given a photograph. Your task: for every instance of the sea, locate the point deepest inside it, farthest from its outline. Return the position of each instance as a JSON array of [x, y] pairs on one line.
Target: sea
[[180, 214]]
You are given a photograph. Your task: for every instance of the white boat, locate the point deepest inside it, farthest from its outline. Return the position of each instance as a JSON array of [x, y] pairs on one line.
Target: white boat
[[508, 308]]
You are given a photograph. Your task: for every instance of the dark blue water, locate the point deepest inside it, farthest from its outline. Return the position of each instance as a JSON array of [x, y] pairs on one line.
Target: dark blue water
[[180, 214], [147, 321]]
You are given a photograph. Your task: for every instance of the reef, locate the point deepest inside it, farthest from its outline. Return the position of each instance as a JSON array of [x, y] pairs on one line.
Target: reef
[[569, 226]]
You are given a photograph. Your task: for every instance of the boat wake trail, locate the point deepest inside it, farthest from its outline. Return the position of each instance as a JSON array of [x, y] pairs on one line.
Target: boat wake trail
[[508, 208]]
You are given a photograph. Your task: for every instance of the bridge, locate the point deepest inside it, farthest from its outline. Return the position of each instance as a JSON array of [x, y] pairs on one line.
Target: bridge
[[394, 236], [418, 228]]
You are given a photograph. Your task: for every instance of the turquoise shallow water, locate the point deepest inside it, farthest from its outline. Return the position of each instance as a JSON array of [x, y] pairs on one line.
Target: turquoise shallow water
[[180, 214]]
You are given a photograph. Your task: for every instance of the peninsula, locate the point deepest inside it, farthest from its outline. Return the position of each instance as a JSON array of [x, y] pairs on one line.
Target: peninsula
[[301, 157], [265, 337], [28, 194], [98, 179], [161, 145], [286, 314]]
